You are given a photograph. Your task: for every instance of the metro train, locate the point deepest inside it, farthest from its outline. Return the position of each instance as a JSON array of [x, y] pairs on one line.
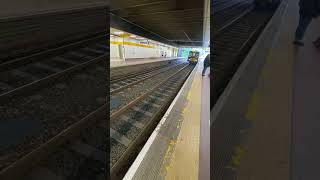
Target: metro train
[[193, 57]]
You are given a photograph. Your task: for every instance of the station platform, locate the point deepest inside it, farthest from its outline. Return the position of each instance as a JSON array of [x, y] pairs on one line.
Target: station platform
[[136, 61], [180, 143], [266, 123]]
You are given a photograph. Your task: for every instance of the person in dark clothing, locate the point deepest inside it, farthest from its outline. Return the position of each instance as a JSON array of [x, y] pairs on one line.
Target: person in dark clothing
[[206, 64], [317, 43], [309, 9]]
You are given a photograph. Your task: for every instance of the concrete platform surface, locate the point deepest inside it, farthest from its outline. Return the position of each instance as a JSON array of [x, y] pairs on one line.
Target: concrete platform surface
[[234, 116], [280, 107], [306, 113], [282, 143]]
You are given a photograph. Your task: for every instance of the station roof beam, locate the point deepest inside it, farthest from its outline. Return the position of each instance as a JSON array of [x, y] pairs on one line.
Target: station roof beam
[[176, 22]]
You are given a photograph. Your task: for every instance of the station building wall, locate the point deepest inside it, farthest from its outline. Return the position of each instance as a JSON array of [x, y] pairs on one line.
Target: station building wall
[[115, 48], [133, 48]]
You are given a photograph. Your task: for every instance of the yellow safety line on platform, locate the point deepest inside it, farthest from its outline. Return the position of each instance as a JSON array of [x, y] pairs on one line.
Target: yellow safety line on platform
[[184, 163], [251, 115], [167, 157], [130, 44], [238, 153], [253, 104], [252, 107], [270, 111]]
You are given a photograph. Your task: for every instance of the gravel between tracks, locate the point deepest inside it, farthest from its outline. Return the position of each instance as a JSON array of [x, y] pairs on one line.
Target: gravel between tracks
[[124, 97], [55, 107], [136, 121]]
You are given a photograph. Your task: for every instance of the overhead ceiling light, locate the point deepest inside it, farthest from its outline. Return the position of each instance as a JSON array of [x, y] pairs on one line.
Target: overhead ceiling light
[[133, 36]]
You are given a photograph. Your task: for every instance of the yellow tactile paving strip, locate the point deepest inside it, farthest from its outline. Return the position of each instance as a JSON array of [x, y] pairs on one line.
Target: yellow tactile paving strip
[[184, 163], [267, 155]]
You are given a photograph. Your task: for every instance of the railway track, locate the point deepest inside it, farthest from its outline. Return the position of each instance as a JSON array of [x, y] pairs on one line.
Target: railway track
[[124, 71], [64, 113], [230, 13], [135, 78], [230, 47], [132, 122], [21, 75], [32, 33], [52, 113], [83, 157], [126, 95], [123, 74], [120, 73], [232, 43], [218, 3], [226, 5]]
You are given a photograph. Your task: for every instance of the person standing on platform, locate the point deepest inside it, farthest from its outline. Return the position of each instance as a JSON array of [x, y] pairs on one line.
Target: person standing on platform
[[317, 41], [308, 10], [206, 64]]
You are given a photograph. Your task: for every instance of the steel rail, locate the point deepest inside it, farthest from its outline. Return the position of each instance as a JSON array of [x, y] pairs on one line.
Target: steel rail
[[19, 168]]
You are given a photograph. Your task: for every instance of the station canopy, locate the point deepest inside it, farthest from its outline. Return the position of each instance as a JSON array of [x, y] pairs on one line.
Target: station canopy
[[176, 22]]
